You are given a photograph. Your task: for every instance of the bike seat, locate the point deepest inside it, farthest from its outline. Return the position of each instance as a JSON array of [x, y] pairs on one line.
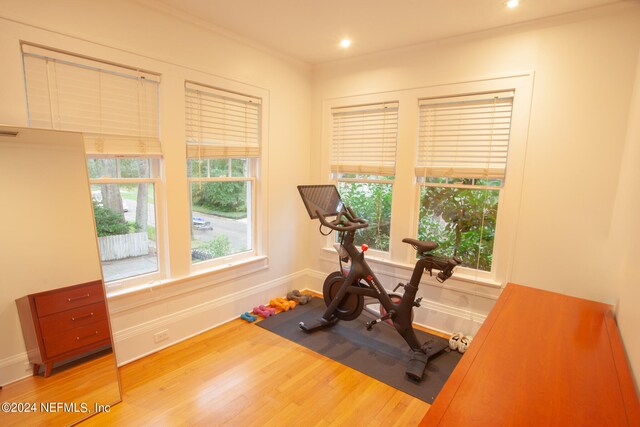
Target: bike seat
[[421, 246]]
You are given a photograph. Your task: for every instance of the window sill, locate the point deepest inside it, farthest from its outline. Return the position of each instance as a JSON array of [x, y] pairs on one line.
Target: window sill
[[239, 268]]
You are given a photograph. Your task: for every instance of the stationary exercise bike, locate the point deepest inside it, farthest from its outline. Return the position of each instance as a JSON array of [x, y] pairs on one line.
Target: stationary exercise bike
[[345, 291]]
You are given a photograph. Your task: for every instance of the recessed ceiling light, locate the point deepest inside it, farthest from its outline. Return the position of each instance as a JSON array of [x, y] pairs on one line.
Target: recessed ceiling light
[[345, 43], [513, 4]]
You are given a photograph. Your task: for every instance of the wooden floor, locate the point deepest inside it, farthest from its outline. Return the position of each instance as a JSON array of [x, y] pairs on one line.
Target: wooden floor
[[90, 381], [242, 375]]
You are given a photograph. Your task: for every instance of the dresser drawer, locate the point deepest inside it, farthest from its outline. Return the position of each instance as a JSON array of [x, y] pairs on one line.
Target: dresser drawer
[[67, 299], [71, 319], [69, 341]]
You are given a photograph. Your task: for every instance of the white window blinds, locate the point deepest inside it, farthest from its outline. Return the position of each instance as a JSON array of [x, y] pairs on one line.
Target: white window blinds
[[364, 139], [465, 136], [115, 107], [221, 124]]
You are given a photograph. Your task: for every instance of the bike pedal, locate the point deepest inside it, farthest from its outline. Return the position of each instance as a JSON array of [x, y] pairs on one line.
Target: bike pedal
[[370, 324]]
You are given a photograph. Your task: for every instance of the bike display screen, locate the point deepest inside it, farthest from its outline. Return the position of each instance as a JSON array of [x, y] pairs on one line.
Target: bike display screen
[[323, 198]]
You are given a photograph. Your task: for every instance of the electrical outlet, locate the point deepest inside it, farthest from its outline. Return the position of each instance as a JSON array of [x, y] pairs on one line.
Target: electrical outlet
[[161, 336]]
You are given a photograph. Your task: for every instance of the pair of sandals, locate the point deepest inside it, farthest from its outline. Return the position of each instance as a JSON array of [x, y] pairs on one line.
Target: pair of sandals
[[299, 298], [459, 342], [263, 311]]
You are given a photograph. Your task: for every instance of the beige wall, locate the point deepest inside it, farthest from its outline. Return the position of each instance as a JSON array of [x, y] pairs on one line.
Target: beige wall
[[584, 68], [129, 33], [625, 242]]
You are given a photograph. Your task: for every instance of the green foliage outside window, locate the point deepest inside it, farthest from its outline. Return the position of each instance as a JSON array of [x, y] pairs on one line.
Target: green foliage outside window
[[227, 199], [220, 198], [371, 201], [219, 246], [462, 221], [110, 223]]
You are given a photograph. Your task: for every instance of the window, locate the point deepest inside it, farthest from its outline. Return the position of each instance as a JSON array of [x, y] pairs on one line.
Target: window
[[454, 141], [461, 167], [116, 109], [124, 205], [363, 161], [223, 150]]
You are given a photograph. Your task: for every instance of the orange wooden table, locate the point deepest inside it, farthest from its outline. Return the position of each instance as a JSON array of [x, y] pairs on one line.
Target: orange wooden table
[[541, 359]]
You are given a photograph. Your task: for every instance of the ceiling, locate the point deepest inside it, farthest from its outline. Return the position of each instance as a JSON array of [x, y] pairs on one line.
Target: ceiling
[[310, 30]]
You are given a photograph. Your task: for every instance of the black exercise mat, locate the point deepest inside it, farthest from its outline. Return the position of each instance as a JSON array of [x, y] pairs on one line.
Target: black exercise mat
[[380, 353]]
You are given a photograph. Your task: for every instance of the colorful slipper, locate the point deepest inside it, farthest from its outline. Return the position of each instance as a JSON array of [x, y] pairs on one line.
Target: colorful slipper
[[248, 317]]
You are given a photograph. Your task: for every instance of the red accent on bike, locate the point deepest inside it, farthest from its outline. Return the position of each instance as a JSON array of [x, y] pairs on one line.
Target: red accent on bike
[[364, 247], [369, 278]]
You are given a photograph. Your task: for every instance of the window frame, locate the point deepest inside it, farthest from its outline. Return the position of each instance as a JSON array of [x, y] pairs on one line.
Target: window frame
[[461, 270], [155, 178], [355, 104], [509, 196], [406, 191], [336, 180], [142, 141], [252, 168], [259, 166]]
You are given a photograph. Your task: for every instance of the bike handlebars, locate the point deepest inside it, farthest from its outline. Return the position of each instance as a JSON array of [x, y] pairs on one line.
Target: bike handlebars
[[345, 221]]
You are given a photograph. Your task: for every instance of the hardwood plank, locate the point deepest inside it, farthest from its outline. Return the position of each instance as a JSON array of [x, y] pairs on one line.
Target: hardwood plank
[[241, 374], [90, 381]]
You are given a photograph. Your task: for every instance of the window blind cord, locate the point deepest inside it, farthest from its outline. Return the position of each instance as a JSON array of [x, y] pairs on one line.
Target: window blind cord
[[100, 144], [141, 95], [200, 141], [49, 92], [57, 95]]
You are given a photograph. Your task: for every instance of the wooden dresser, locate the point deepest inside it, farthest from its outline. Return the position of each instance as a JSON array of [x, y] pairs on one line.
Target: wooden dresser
[[541, 359], [64, 323]]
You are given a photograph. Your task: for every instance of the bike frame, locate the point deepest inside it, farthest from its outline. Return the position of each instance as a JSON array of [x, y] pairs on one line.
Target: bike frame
[[401, 313]]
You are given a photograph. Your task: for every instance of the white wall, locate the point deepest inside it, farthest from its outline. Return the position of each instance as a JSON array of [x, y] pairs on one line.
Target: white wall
[[624, 246], [584, 67], [132, 34]]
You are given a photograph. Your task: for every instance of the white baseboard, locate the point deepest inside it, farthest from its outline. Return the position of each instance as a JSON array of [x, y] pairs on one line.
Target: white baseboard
[[14, 368], [137, 341]]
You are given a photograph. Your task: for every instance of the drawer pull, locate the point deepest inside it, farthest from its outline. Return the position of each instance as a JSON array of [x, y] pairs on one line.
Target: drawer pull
[[78, 298], [88, 336], [73, 319]]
